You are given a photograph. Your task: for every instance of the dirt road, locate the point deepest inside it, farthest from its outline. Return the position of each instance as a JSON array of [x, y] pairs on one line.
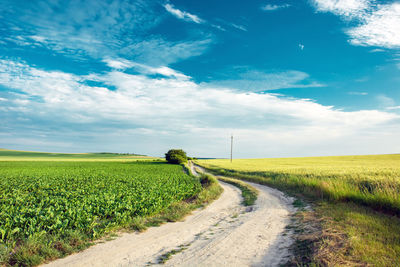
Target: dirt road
[[223, 234]]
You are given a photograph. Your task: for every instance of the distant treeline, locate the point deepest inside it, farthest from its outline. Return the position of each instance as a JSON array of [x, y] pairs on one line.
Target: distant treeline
[[110, 153]]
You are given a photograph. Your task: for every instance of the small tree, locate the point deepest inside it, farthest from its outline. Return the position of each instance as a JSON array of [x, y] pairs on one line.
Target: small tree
[[176, 156]]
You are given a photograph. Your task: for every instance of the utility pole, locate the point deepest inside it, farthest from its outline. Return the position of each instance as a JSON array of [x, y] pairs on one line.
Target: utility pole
[[231, 146]]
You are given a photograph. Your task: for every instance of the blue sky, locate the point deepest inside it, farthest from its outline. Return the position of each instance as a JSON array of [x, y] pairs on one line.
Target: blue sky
[[286, 78]]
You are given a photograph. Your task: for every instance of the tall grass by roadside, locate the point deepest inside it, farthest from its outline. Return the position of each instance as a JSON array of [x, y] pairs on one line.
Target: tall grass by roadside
[[372, 181], [349, 194], [370, 238]]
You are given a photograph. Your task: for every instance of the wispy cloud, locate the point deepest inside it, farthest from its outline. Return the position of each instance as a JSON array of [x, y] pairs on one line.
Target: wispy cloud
[[269, 7], [378, 24], [257, 81], [385, 101], [88, 28], [183, 14], [122, 64], [239, 27], [357, 93], [380, 28], [227, 25], [119, 63], [62, 106], [158, 51], [186, 16], [377, 50], [393, 108], [219, 27], [346, 8], [84, 27]]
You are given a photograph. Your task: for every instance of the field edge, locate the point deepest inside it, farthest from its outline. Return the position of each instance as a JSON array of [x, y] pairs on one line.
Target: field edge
[[42, 249], [334, 233]]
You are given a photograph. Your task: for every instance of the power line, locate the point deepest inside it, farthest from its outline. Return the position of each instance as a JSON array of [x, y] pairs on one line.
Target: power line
[[231, 146]]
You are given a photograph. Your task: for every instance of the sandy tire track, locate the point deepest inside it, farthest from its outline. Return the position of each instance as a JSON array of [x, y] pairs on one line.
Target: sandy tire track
[[223, 234]]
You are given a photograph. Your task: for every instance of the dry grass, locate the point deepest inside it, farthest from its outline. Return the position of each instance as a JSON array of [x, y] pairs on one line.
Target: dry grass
[[345, 235]]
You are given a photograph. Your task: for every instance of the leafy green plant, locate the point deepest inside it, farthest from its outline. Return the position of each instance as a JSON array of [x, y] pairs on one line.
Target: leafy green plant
[[52, 208]]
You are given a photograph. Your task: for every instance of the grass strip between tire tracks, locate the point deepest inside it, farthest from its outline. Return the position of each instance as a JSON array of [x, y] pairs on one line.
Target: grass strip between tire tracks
[[249, 193]]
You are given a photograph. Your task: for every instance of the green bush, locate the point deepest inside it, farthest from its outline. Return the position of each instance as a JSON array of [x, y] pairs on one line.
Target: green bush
[[176, 156]]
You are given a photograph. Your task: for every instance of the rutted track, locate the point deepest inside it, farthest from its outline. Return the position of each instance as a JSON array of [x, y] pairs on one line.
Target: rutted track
[[223, 234]]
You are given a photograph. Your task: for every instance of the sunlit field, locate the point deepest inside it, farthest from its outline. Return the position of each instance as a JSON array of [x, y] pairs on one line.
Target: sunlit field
[[356, 200], [60, 203], [370, 180]]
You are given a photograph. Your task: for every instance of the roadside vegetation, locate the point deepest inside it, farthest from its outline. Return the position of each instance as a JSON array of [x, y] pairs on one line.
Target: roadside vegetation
[[49, 209], [356, 203]]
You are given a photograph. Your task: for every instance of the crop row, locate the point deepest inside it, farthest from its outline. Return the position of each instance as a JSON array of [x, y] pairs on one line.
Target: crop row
[[89, 197]]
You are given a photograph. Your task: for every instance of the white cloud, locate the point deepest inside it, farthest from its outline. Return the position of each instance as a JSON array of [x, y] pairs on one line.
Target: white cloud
[[348, 8], [227, 24], [385, 101], [39, 39], [183, 14], [89, 28], [85, 27], [393, 108], [256, 81], [218, 27], [357, 93], [186, 16], [377, 50], [163, 70], [269, 7], [239, 27], [157, 51], [121, 64], [381, 28], [118, 63], [150, 115], [378, 24]]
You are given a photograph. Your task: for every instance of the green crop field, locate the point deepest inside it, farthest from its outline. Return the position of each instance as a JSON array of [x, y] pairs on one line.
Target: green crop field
[[357, 196], [65, 203], [15, 155]]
